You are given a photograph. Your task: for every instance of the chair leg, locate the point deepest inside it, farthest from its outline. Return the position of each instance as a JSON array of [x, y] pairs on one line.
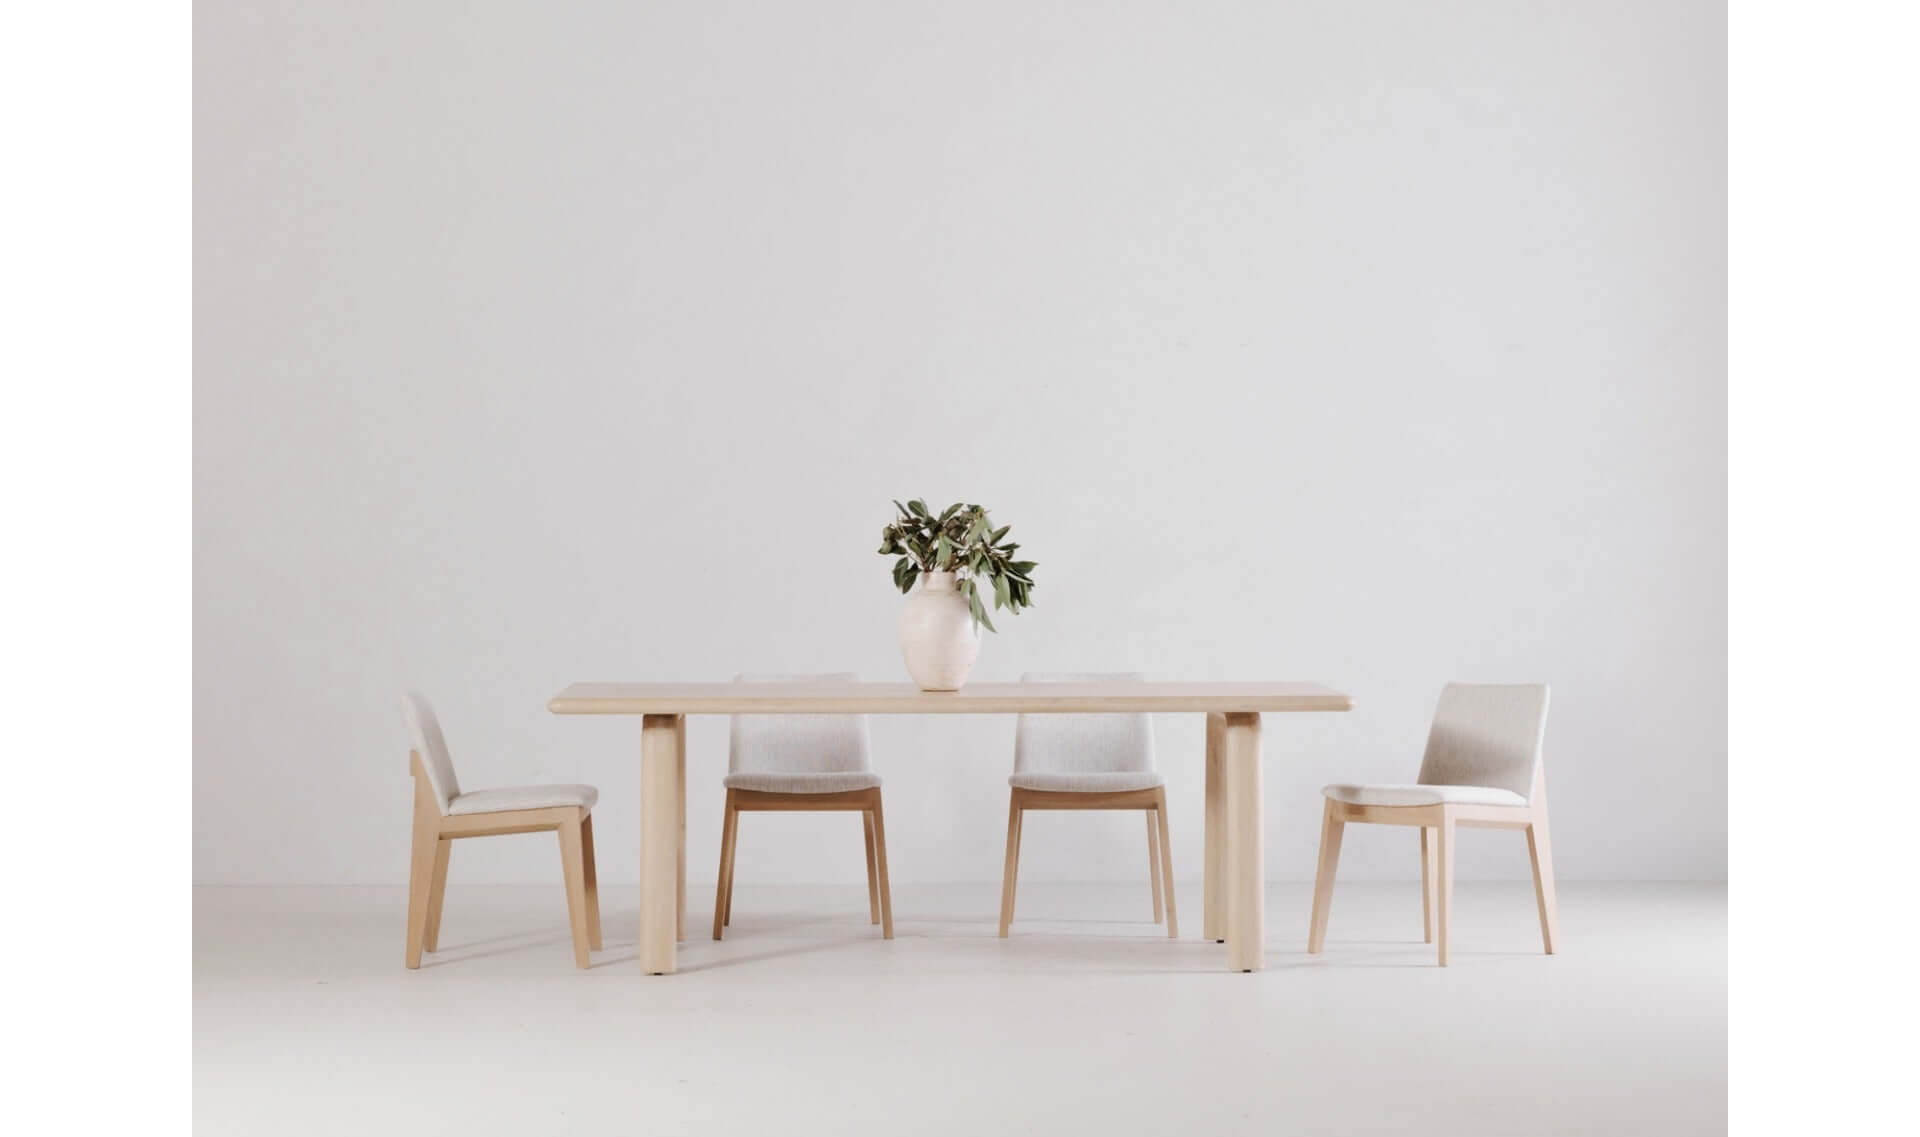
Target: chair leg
[[1011, 877], [573, 867], [873, 870], [1444, 869], [1153, 864], [437, 895], [1331, 830], [1166, 866], [880, 859], [1541, 852], [426, 849], [1428, 878], [593, 882], [723, 889]]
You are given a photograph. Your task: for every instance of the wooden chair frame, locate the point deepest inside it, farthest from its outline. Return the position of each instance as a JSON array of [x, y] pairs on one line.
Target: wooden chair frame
[[1437, 824], [434, 834], [1159, 851], [864, 802]]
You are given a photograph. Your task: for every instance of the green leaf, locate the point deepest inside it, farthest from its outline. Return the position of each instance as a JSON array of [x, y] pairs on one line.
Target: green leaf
[[1000, 597], [942, 553], [978, 610], [998, 534], [919, 508]]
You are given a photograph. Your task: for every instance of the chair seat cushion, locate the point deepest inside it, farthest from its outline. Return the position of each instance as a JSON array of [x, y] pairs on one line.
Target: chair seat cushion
[[1422, 795], [811, 782], [1087, 782], [524, 797]]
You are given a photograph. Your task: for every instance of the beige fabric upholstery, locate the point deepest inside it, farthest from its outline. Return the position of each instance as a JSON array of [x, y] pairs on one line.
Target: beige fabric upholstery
[[1483, 749], [828, 782], [1091, 783], [799, 754], [1422, 795], [1083, 753], [431, 744], [524, 797]]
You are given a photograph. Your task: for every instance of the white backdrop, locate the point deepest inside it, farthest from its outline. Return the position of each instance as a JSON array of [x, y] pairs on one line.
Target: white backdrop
[[1373, 343]]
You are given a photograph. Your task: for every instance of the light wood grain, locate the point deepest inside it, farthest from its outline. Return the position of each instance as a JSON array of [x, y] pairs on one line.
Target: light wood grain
[[680, 837], [1428, 880], [1443, 867], [723, 890], [426, 847], [1331, 829], [437, 896], [873, 871], [1010, 876], [1438, 826], [1153, 865], [1246, 846], [1152, 802], [573, 867], [867, 803], [1159, 816], [1233, 712], [1540, 851], [660, 744], [592, 882], [1213, 899], [974, 699], [879, 816], [433, 838]]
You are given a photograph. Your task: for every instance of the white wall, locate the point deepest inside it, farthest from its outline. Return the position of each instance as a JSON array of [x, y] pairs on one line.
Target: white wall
[[1372, 343]]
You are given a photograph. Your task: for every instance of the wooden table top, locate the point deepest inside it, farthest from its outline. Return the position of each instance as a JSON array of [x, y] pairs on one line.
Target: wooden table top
[[1107, 697]]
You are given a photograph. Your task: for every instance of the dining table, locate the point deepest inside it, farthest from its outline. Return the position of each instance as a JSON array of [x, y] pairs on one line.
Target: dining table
[[1234, 896]]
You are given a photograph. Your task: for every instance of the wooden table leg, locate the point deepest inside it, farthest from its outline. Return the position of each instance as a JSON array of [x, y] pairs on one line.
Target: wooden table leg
[[680, 844], [1246, 846], [661, 737], [1213, 900]]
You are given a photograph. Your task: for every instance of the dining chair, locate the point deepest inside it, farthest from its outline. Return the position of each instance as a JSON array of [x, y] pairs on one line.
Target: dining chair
[[1482, 769], [443, 814], [803, 763], [1088, 762]]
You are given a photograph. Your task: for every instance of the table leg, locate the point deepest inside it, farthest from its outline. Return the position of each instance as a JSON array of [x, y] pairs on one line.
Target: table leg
[[1213, 913], [680, 846], [1246, 846], [661, 739]]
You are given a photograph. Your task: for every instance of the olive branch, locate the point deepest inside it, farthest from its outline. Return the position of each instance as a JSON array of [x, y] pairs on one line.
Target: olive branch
[[959, 540]]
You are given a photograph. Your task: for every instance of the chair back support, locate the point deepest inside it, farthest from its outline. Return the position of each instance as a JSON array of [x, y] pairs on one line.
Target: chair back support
[[1082, 744], [798, 744], [1487, 734], [431, 745]]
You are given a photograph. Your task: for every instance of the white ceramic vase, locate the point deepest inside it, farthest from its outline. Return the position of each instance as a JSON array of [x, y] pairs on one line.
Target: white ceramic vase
[[937, 634]]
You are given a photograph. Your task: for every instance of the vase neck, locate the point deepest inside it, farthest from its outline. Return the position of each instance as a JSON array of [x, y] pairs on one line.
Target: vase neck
[[937, 582]]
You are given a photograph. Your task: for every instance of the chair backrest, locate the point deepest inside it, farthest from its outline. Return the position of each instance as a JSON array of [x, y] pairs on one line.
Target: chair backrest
[[798, 744], [1487, 734], [1082, 744], [431, 745]]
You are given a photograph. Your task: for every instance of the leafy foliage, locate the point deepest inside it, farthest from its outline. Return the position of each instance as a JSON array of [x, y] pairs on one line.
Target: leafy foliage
[[961, 540]]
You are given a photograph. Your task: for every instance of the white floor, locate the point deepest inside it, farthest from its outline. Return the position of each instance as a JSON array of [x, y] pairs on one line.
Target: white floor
[[1086, 1021]]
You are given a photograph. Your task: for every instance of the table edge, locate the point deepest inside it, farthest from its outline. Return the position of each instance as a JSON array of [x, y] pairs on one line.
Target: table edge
[[1332, 701]]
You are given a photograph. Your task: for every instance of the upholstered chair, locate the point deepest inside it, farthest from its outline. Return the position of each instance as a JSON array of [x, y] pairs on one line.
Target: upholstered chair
[[803, 763], [444, 813], [1483, 769], [1068, 761]]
